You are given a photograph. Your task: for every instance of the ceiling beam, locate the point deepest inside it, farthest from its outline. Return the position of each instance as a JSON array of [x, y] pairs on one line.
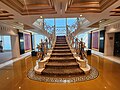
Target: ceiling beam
[[81, 9], [115, 14], [38, 13], [6, 15], [106, 3], [51, 3], [39, 10], [6, 18], [115, 10], [38, 5], [73, 12], [85, 4]]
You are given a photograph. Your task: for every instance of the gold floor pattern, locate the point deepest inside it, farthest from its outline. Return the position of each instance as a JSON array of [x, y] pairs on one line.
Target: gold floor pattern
[[81, 78], [14, 77]]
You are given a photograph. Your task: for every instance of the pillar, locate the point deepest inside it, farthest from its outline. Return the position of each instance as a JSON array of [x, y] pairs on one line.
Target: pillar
[[15, 46], [109, 44]]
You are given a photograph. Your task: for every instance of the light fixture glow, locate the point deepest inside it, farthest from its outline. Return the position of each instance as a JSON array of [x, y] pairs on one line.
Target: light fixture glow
[[7, 78], [41, 17], [19, 87], [105, 87], [80, 15]]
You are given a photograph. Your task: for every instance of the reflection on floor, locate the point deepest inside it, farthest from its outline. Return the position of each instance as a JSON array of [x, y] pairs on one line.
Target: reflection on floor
[[11, 61], [14, 77], [5, 56], [111, 58]]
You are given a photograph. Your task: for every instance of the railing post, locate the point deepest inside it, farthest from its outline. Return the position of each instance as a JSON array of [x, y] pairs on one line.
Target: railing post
[[78, 23], [76, 45], [66, 30], [54, 31]]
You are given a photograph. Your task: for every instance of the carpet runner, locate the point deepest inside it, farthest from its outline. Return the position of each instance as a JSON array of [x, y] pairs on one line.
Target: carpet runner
[[62, 63]]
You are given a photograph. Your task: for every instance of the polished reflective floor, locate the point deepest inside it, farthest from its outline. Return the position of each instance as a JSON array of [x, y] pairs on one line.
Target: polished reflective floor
[[5, 56], [14, 77]]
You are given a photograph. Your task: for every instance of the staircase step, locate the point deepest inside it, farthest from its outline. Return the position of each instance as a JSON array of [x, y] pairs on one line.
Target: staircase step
[[61, 54], [62, 59], [62, 65], [60, 36], [62, 51], [61, 45], [61, 39], [61, 42], [65, 47], [62, 72]]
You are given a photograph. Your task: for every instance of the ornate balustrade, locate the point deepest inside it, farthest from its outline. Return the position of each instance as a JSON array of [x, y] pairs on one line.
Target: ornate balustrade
[[77, 48], [44, 52], [45, 46]]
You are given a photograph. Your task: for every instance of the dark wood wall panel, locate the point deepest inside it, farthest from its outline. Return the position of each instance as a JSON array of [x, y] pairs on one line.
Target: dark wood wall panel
[[117, 44], [90, 40], [102, 41], [32, 42], [21, 42]]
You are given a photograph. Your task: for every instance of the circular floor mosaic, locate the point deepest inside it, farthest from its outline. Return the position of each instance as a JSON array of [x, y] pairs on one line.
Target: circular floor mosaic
[[92, 75]]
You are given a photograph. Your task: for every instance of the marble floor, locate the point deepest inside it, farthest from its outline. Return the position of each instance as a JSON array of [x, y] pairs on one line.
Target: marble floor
[[14, 77], [5, 56], [111, 58]]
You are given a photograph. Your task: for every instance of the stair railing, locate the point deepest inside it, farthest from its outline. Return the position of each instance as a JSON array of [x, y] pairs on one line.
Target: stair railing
[[77, 45], [77, 48], [45, 52], [45, 46]]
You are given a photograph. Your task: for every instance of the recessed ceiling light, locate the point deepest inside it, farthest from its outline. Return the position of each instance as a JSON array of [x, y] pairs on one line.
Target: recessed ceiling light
[[19, 87], [105, 87], [41, 17], [80, 15], [100, 21], [7, 78]]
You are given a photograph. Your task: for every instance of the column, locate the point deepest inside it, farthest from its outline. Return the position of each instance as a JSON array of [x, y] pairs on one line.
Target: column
[[109, 44], [15, 46]]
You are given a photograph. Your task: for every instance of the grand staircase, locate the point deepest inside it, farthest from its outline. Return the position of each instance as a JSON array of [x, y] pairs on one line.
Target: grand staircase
[[62, 63]]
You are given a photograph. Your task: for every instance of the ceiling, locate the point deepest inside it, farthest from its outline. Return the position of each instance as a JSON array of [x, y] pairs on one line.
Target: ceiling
[[115, 12], [5, 15], [88, 6], [34, 7], [31, 7], [28, 11]]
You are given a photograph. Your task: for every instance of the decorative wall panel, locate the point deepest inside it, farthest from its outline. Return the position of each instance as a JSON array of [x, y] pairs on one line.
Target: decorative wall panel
[[27, 38], [95, 42]]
